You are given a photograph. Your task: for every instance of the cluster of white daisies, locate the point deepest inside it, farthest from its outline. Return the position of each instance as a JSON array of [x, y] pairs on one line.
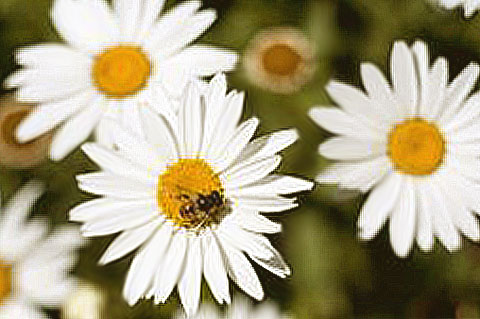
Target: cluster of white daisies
[[187, 186]]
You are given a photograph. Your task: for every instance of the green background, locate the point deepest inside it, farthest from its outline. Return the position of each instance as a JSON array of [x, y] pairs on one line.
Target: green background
[[334, 274]]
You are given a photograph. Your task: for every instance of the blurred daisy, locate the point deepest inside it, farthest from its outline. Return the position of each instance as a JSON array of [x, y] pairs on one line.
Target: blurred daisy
[[414, 144], [112, 60], [241, 308], [12, 153], [470, 6], [190, 195], [87, 301], [281, 60], [34, 267]]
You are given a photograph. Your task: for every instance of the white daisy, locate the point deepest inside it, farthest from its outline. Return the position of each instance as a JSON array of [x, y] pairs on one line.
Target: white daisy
[[112, 59], [241, 308], [416, 145], [34, 266], [470, 6], [189, 195]]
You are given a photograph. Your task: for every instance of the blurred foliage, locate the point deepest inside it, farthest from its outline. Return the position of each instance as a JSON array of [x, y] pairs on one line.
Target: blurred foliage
[[334, 274]]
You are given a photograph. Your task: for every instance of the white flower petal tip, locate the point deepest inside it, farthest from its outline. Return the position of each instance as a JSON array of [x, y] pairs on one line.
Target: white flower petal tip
[[469, 7]]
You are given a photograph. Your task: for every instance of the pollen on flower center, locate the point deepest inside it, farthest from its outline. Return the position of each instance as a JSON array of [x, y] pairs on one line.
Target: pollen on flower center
[[190, 194], [281, 59], [416, 147], [121, 71], [6, 274]]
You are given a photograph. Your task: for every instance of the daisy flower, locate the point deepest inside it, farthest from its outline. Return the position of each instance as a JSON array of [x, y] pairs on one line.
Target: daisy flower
[[280, 59], [413, 144], [189, 195], [113, 59], [241, 308], [34, 266], [470, 6]]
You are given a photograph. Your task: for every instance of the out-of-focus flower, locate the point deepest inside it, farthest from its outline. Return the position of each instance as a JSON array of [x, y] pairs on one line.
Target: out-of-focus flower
[[190, 194], [280, 59], [34, 266], [12, 153], [87, 301], [469, 6], [113, 59], [241, 308], [415, 145]]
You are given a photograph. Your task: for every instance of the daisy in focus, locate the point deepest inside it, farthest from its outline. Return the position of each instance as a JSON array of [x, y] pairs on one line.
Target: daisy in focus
[[113, 59], [241, 308], [189, 196], [34, 266], [469, 6], [413, 144]]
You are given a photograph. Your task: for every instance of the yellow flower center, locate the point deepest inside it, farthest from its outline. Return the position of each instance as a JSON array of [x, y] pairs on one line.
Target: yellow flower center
[[121, 71], [416, 147], [5, 281], [281, 59], [190, 194]]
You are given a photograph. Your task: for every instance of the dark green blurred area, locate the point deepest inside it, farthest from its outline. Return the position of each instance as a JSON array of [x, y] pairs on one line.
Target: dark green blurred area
[[334, 274]]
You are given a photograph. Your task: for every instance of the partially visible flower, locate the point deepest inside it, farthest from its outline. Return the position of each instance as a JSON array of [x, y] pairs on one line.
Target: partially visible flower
[[189, 195], [469, 6], [113, 59], [12, 153], [241, 308], [414, 144], [34, 265], [280, 59], [87, 301]]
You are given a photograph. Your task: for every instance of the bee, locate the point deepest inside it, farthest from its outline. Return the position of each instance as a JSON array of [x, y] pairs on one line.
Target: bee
[[199, 207]]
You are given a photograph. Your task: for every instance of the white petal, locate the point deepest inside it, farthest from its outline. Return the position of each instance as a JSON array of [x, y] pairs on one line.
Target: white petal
[[347, 148], [128, 241], [402, 221], [108, 207], [425, 239], [420, 54], [443, 225], [250, 173], [268, 204], [171, 269], [266, 146], [87, 25], [404, 77], [189, 30], [203, 60], [214, 270], [128, 14], [109, 161], [191, 121], [159, 133], [191, 279], [435, 89], [234, 145], [151, 10], [145, 265], [379, 205], [458, 90], [222, 117], [21, 309], [252, 221], [380, 93], [356, 103], [339, 122], [50, 55], [465, 116], [242, 272], [274, 184], [170, 23], [360, 175], [74, 131]]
